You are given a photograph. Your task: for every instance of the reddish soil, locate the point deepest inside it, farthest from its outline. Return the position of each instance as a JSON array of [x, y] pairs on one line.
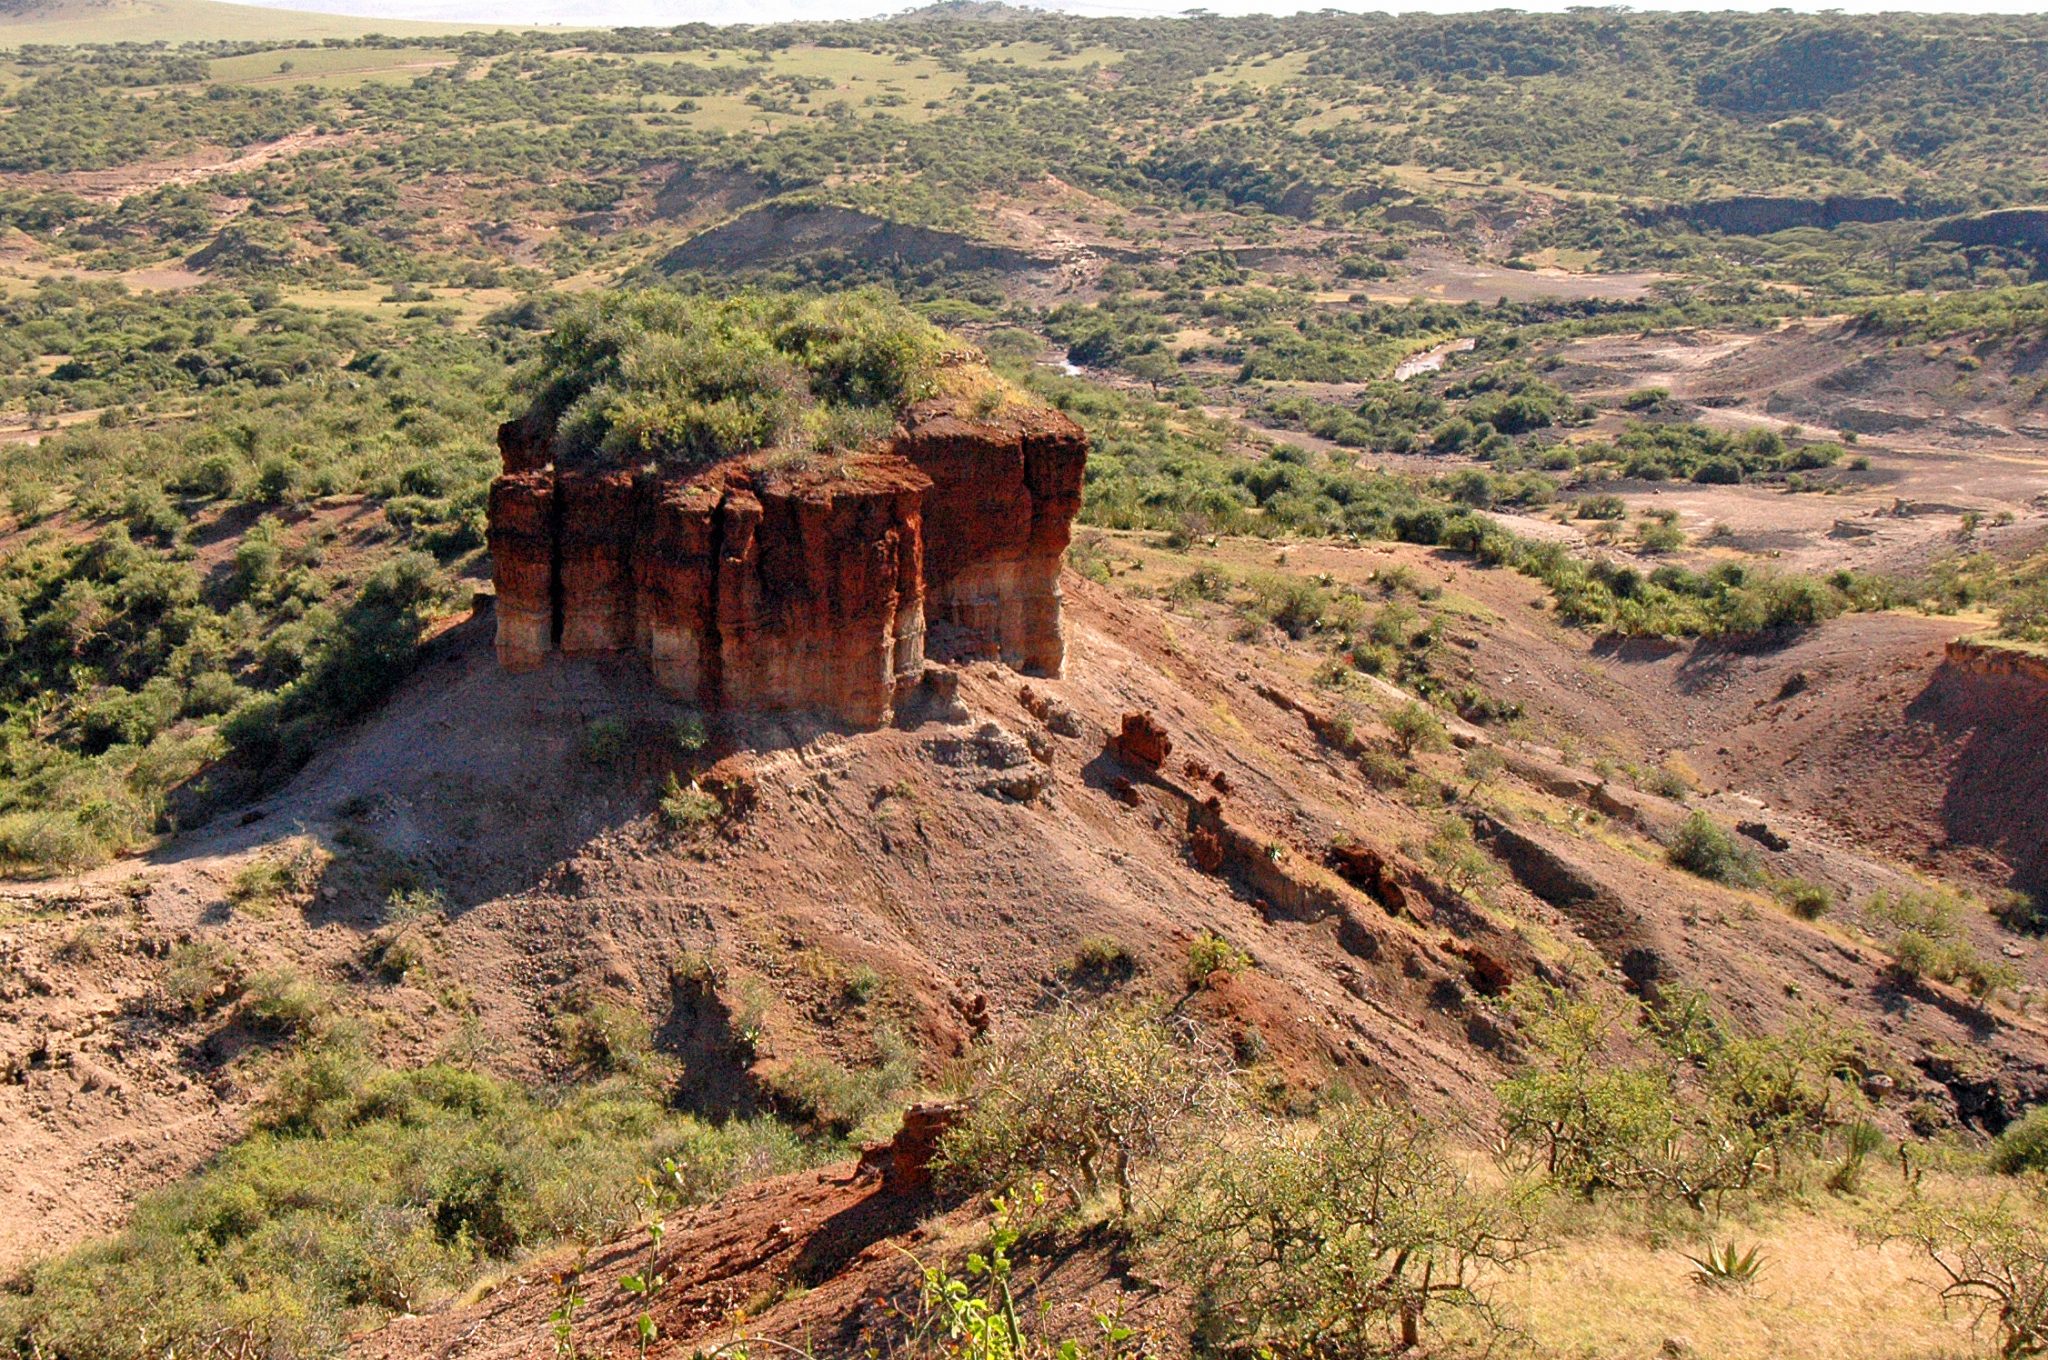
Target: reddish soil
[[943, 854]]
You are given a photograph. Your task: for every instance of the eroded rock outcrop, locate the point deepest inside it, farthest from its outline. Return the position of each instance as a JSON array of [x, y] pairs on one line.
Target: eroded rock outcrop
[[789, 583]]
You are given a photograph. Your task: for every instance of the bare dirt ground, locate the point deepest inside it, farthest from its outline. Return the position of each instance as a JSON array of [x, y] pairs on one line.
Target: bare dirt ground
[[1438, 275], [111, 186]]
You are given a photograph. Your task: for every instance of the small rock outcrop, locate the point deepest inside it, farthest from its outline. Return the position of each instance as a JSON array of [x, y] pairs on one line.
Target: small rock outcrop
[[1142, 741], [777, 582]]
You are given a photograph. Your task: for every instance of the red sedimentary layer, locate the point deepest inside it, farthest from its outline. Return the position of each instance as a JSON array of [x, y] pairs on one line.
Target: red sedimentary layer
[[754, 586]]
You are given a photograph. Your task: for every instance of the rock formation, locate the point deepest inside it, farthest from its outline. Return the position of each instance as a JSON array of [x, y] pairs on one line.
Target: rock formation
[[773, 582]]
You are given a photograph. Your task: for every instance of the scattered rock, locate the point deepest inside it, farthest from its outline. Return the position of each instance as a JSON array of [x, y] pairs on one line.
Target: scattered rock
[[1019, 786], [1057, 717], [1143, 741], [1763, 835], [1206, 847]]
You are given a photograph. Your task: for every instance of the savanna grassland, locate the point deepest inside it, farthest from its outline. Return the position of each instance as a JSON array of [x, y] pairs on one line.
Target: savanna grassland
[[1594, 426]]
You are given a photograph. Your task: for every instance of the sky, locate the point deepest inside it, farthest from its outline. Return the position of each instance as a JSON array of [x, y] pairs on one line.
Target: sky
[[621, 13]]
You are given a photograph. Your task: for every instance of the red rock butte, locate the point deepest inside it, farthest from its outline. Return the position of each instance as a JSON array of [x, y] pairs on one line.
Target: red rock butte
[[769, 582]]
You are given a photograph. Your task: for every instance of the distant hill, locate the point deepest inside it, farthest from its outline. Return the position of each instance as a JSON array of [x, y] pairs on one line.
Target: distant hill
[[143, 21]]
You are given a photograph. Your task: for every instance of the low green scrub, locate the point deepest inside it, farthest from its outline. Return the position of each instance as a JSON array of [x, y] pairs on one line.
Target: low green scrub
[[654, 375], [1702, 846], [1710, 1114], [371, 1194], [1923, 931]]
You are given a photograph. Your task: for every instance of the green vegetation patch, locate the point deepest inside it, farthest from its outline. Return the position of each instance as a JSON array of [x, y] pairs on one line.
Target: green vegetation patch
[[365, 1195], [679, 381]]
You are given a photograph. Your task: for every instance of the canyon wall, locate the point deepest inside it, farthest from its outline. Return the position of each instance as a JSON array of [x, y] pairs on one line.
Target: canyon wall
[[778, 583]]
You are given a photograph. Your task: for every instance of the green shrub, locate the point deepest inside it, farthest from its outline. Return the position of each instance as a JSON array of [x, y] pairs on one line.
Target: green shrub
[[2023, 1146], [1700, 846], [689, 733], [1416, 728], [605, 742], [1807, 901], [1211, 956], [685, 807], [1922, 929], [284, 1002], [1088, 1100]]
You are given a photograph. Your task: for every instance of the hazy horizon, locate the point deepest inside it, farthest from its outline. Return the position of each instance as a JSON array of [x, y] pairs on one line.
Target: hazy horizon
[[665, 13]]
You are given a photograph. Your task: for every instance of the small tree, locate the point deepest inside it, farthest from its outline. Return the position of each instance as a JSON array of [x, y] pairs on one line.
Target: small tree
[[1085, 1099], [1579, 1112], [1707, 1115], [1995, 1259], [1417, 729], [1338, 1240]]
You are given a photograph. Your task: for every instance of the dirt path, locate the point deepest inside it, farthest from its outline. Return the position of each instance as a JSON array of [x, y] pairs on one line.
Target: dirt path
[[121, 182]]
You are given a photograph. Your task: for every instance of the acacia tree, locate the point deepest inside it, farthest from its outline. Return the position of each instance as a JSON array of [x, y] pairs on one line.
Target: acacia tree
[[1084, 1100], [1994, 1257], [1703, 1114], [1337, 1240]]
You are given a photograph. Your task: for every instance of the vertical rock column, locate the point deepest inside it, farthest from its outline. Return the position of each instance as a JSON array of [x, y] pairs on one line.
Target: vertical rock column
[[997, 521], [820, 592], [675, 572], [599, 514], [522, 539], [1055, 461]]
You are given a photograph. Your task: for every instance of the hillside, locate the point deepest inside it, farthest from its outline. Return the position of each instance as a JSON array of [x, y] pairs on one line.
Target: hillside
[[908, 858], [66, 22]]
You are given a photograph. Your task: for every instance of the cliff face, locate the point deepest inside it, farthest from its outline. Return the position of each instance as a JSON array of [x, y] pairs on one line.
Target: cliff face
[[753, 585], [999, 514]]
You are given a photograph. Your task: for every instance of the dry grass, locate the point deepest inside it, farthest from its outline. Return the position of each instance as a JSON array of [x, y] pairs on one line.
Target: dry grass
[[177, 21], [1823, 1295]]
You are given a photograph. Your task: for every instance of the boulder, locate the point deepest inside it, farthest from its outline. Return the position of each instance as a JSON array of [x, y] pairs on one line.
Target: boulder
[[1142, 741]]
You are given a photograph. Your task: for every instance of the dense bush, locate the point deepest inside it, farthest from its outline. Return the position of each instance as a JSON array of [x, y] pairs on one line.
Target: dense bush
[[1339, 1239], [652, 375]]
